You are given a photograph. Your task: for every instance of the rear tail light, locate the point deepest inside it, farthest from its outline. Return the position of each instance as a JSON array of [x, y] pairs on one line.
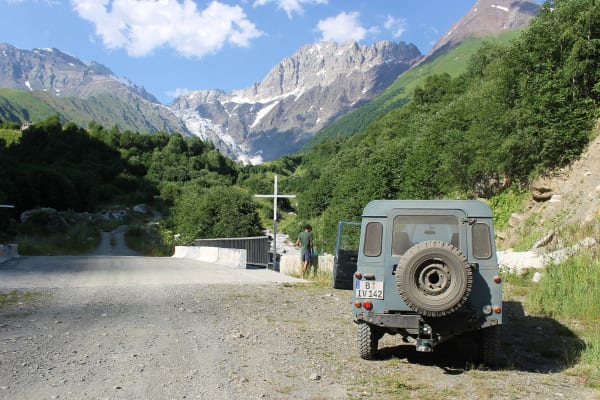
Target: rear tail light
[[358, 276], [497, 309], [497, 279], [367, 305]]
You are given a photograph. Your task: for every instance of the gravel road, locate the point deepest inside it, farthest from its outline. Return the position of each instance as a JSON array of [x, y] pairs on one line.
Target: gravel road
[[139, 339]]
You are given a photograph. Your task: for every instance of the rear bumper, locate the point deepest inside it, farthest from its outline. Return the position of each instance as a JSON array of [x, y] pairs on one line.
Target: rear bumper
[[410, 322]]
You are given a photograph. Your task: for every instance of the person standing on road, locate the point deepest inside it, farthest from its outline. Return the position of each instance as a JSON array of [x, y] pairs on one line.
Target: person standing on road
[[305, 241]]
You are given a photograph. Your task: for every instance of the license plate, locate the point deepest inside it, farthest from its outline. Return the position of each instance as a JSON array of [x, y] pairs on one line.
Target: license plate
[[369, 290]]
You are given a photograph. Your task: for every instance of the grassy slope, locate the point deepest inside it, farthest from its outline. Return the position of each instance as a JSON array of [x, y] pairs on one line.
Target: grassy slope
[[19, 105], [108, 109], [454, 63]]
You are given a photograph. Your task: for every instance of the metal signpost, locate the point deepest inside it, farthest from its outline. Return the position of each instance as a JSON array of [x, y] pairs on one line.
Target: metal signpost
[[275, 196]]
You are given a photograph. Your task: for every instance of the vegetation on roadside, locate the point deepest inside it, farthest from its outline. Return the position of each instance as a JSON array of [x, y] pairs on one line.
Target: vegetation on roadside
[[149, 240], [318, 278], [568, 292], [15, 297], [41, 236]]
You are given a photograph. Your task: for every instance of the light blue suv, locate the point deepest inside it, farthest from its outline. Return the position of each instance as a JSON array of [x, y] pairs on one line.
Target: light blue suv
[[427, 270]]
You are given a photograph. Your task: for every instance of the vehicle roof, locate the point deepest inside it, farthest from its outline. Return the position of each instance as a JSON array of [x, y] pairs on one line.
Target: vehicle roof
[[472, 208]]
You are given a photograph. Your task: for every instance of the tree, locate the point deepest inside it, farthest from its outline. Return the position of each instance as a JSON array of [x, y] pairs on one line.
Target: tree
[[215, 212]]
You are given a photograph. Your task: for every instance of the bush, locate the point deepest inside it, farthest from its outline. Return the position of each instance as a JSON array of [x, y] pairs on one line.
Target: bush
[[37, 240], [216, 212]]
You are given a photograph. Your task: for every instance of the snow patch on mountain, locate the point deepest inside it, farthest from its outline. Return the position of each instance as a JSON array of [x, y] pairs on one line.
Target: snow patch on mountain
[[263, 112], [206, 130], [506, 9]]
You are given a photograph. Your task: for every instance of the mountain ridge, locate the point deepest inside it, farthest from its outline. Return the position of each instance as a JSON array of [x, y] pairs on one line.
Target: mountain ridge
[[300, 96], [82, 92], [54, 71]]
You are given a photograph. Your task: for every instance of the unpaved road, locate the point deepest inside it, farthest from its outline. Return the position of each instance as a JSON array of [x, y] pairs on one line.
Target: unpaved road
[[135, 328]]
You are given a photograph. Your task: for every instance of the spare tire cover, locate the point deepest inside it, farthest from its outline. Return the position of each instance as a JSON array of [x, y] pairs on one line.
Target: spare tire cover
[[434, 278]]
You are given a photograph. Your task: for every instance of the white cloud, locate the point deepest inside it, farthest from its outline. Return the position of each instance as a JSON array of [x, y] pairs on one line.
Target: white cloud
[[343, 27], [396, 25], [290, 6], [177, 92], [140, 26]]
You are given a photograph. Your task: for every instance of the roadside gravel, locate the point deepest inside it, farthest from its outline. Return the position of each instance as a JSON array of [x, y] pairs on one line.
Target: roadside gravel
[[246, 342], [119, 339]]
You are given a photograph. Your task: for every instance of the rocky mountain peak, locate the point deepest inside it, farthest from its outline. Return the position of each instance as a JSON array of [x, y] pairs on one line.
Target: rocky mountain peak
[[300, 95], [489, 18], [60, 74], [320, 64]]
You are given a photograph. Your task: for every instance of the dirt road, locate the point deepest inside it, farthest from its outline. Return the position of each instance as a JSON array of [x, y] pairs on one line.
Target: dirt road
[[83, 335]]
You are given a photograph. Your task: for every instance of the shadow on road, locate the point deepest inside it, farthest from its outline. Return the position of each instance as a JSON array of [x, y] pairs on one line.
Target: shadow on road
[[528, 343]]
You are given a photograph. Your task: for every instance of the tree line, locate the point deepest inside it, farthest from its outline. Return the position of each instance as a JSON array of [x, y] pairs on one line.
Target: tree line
[[70, 168], [518, 110]]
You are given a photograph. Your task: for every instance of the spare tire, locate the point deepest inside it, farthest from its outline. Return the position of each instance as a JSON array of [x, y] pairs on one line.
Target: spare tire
[[434, 278]]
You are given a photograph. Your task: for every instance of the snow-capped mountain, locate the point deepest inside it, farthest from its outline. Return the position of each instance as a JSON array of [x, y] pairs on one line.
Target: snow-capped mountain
[[58, 73], [276, 116], [299, 96], [82, 92]]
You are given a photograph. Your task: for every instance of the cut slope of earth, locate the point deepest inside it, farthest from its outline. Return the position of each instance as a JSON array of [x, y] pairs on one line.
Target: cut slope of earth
[[575, 196]]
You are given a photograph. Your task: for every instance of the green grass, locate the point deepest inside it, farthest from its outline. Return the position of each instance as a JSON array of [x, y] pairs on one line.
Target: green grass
[[320, 279], [23, 106], [15, 297], [569, 293], [590, 359], [570, 289]]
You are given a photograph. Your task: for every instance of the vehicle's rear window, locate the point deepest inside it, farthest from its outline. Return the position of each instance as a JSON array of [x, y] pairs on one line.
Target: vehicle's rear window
[[373, 236], [482, 244], [409, 230]]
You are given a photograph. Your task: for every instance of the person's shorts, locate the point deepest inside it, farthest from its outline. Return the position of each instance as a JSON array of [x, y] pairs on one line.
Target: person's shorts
[[306, 255]]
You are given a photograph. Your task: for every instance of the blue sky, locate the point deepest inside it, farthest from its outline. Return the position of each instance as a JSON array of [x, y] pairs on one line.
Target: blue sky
[[171, 46]]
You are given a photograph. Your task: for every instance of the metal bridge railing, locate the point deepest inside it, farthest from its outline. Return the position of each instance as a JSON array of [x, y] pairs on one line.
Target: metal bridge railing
[[257, 248]]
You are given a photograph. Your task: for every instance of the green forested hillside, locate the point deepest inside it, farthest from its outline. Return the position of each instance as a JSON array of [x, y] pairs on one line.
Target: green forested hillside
[[454, 63], [518, 109], [69, 168]]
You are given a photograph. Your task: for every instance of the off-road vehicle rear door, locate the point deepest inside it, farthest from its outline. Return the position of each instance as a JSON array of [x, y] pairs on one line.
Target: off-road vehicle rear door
[[424, 232]]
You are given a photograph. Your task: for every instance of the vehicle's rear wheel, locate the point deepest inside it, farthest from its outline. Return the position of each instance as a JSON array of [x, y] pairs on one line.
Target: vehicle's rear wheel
[[368, 340], [434, 278], [489, 345]]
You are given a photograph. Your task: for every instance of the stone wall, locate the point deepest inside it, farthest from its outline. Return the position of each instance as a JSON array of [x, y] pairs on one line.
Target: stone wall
[[290, 264]]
